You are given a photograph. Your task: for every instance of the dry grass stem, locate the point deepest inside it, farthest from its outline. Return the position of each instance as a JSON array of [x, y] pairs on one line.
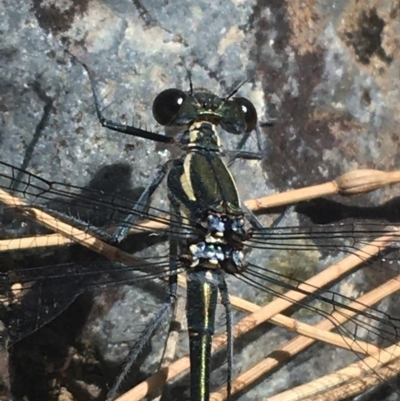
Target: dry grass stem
[[299, 343], [352, 183], [330, 274], [355, 182], [349, 381]]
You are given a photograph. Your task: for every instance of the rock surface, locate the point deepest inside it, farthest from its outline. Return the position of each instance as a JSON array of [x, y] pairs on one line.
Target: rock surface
[[326, 72]]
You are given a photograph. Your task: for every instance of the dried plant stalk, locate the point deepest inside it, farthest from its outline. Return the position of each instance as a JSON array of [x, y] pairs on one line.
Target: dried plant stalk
[[352, 380], [352, 183], [356, 182], [330, 274]]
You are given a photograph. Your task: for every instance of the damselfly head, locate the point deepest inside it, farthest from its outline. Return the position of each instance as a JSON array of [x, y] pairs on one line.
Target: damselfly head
[[173, 107]]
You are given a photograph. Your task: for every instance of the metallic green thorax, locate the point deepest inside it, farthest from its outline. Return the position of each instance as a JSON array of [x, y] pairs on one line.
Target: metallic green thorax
[[200, 181]]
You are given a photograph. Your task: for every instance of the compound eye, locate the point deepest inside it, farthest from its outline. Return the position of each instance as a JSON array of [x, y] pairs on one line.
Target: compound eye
[[167, 104], [249, 112]]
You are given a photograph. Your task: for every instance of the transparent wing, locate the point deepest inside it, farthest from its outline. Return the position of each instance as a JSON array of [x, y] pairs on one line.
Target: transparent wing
[[52, 270]]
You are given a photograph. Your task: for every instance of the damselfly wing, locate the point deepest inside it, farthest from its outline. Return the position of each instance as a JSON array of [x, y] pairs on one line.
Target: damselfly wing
[[35, 291]]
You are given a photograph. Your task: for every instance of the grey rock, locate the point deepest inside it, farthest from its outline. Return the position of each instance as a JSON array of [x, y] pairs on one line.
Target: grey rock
[[326, 72]]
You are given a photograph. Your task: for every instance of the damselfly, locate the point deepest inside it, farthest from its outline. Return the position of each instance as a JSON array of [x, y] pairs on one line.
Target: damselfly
[[207, 235]]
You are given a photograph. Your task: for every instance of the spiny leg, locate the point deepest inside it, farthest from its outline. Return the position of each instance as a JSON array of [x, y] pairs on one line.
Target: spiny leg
[[223, 289], [116, 126], [147, 334], [172, 339], [142, 204]]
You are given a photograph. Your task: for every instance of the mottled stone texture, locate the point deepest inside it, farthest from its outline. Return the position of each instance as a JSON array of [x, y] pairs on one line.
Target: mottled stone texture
[[326, 72]]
